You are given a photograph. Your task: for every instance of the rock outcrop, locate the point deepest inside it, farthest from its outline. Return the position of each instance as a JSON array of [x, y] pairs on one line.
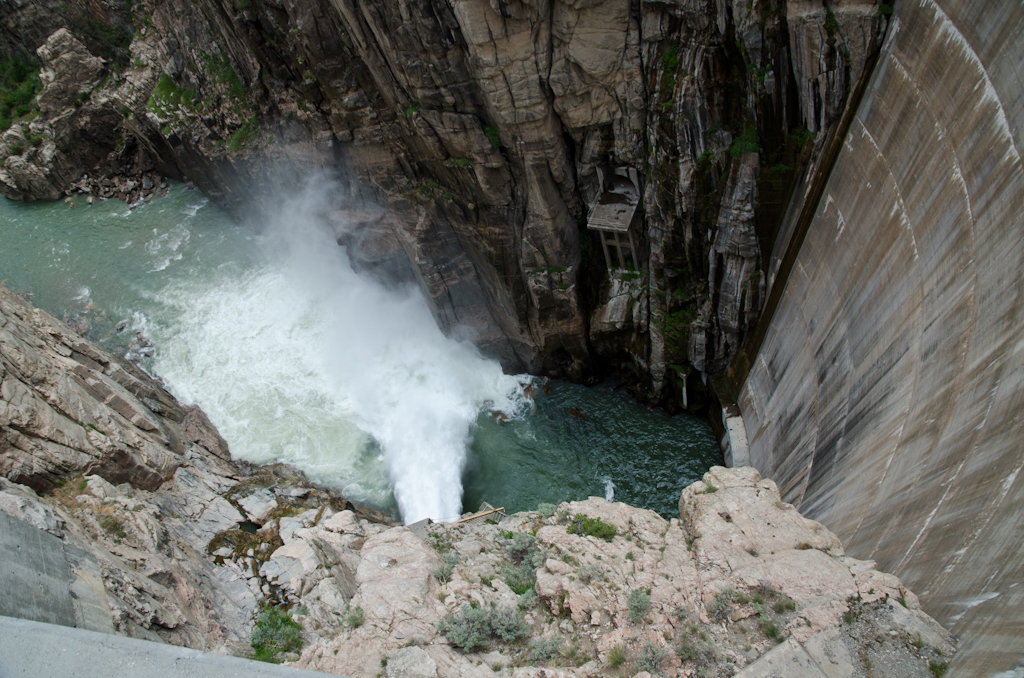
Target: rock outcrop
[[707, 594], [133, 480], [167, 539], [481, 127]]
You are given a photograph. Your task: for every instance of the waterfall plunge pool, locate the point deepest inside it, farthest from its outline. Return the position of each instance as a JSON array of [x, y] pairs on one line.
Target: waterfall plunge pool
[[296, 358]]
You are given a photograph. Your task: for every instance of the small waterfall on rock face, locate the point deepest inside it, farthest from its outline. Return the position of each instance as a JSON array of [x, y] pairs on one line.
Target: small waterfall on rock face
[[304, 337]]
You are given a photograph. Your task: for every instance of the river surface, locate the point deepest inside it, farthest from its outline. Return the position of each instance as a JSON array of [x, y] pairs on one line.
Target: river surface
[[296, 358]]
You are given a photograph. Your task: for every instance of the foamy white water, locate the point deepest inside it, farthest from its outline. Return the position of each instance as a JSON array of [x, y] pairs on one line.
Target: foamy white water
[[300, 359]]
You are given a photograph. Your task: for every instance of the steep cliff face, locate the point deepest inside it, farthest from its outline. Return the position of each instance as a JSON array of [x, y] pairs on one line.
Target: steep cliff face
[[886, 396], [481, 127]]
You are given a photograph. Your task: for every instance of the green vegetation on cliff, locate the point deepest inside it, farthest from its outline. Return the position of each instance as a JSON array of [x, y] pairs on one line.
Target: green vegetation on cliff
[[19, 83], [275, 632]]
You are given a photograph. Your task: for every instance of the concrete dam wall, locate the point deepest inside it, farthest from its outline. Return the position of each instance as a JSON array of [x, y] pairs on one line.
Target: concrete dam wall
[[886, 397]]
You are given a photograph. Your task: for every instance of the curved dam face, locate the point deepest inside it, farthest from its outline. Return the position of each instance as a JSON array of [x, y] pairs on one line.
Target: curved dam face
[[886, 397]]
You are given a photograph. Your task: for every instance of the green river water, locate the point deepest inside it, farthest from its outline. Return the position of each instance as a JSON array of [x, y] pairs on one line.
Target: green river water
[[296, 358]]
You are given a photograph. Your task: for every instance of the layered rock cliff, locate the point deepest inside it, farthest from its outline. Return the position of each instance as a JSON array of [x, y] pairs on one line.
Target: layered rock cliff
[[481, 127], [193, 549]]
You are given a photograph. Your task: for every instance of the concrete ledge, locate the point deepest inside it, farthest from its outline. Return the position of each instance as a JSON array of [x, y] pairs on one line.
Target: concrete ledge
[[29, 648]]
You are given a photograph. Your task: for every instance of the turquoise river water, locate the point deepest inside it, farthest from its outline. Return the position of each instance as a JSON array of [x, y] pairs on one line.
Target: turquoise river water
[[296, 358]]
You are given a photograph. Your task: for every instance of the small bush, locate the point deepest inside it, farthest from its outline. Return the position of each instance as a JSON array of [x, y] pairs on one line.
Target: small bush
[[467, 630], [770, 629], [638, 603], [245, 134], [275, 632], [462, 162], [544, 649], [848, 617], [113, 526], [785, 605], [591, 527], [687, 651], [519, 578], [938, 669], [527, 600], [722, 604], [443, 573], [616, 657], [745, 143], [353, 616], [589, 573], [471, 628], [650, 658], [522, 546], [546, 510], [681, 613], [492, 136], [506, 624], [711, 489]]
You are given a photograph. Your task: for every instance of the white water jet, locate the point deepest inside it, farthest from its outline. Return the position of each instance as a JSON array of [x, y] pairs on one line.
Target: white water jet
[[295, 357], [609, 489]]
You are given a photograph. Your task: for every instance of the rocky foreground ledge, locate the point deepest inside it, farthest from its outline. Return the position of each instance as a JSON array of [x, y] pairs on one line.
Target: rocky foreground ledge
[[167, 538]]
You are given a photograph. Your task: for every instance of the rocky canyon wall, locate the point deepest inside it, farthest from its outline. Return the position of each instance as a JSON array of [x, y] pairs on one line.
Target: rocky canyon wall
[[886, 396], [480, 127]]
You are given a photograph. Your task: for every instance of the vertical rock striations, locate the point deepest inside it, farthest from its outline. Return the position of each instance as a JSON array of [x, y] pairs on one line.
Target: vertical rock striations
[[481, 126]]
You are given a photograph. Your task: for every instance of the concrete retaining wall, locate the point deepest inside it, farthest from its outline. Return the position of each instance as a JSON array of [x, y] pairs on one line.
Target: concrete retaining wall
[[886, 399], [32, 649]]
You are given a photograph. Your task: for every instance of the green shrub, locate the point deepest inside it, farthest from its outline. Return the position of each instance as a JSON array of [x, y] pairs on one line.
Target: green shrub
[[591, 527], [687, 651], [520, 578], [745, 143], [528, 599], [522, 546], [443, 573], [938, 669], [650, 658], [722, 604], [616, 657], [19, 82], [242, 5], [546, 510], [472, 627], [638, 603], [17, 148], [506, 624], [353, 616], [544, 649], [492, 136], [590, 573], [275, 632], [462, 162], [243, 135]]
